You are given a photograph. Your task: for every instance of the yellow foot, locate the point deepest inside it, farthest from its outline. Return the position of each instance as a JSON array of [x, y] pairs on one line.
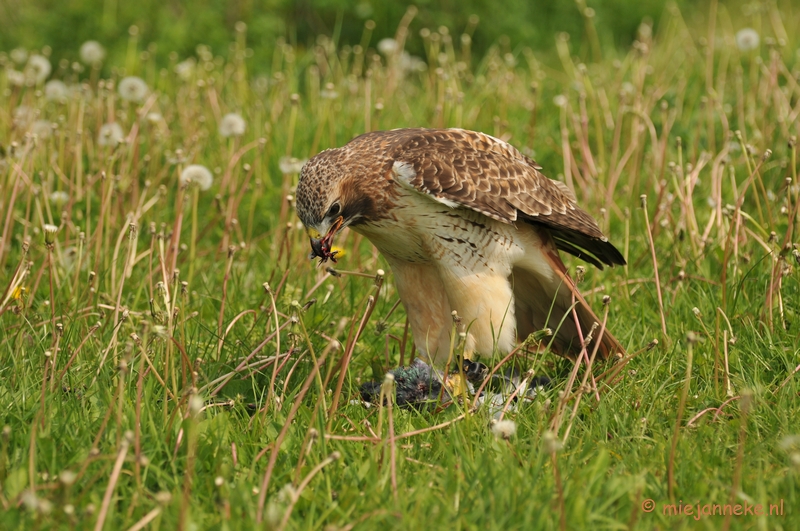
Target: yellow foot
[[456, 385]]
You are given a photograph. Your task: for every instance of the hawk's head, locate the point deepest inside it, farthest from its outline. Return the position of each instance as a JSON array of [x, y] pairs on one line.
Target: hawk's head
[[330, 197]]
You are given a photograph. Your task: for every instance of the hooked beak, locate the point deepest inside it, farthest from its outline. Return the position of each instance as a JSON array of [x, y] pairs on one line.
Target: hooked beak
[[321, 247]]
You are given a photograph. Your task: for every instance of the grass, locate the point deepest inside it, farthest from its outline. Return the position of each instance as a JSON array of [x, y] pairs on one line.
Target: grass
[[151, 379]]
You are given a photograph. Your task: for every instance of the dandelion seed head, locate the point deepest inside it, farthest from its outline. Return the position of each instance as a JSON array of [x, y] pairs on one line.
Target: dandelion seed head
[[560, 100], [110, 135], [68, 477], [19, 55], [37, 69], [154, 117], [56, 90], [34, 503], [273, 514], [92, 52], [15, 78], [504, 429], [23, 116], [789, 442], [291, 165], [197, 174], [747, 39], [196, 404], [628, 88], [552, 443], [163, 497], [232, 124], [133, 88], [412, 63], [287, 493], [329, 92], [68, 257], [388, 47], [185, 69], [42, 128], [59, 197]]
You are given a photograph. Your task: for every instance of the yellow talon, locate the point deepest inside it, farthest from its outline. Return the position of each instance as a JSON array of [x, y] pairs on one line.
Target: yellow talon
[[456, 385]]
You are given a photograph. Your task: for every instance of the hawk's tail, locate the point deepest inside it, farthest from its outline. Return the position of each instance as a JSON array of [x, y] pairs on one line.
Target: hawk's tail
[[567, 341]]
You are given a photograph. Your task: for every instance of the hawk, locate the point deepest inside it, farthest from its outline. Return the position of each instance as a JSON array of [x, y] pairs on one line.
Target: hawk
[[466, 223]]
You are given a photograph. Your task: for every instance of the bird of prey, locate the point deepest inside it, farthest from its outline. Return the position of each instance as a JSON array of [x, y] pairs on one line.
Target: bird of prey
[[467, 223]]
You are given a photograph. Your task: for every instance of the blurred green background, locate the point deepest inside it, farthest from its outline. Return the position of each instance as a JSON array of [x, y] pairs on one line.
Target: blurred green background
[[180, 26]]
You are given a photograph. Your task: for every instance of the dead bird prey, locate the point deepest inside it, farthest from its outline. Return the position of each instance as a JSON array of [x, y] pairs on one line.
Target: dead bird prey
[[420, 385], [467, 223]]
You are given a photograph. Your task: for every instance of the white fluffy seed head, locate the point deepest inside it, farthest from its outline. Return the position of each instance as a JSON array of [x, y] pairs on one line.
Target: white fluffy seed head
[[59, 197], [291, 165], [56, 90], [185, 69], [42, 128], [504, 429], [154, 118], [197, 174], [747, 39], [388, 46], [552, 443], [19, 55], [110, 135], [196, 404], [92, 52], [15, 77], [68, 477], [37, 69], [232, 124], [329, 92], [23, 116], [133, 88]]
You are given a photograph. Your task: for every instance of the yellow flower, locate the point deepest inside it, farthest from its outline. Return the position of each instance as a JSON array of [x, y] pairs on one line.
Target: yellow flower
[[18, 292]]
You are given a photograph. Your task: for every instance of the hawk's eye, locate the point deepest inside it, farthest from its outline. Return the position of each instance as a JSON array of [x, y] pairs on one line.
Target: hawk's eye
[[333, 210]]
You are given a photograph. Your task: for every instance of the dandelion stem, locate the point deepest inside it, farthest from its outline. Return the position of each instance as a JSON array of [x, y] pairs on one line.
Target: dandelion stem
[[112, 483], [655, 269], [679, 417], [193, 241]]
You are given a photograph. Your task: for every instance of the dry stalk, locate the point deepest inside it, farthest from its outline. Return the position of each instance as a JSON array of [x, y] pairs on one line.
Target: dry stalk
[[655, 268], [112, 481]]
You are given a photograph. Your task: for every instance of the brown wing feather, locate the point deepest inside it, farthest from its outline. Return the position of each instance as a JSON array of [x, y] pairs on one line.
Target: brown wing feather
[[492, 177]]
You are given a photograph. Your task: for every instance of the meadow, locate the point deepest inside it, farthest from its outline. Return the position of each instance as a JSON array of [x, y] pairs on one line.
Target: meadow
[[170, 358]]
